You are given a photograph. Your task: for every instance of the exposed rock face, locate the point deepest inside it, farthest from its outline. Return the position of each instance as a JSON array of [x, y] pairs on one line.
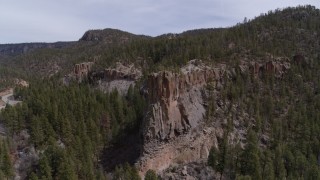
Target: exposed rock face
[[128, 72], [25, 156], [79, 73], [81, 70], [190, 171], [276, 67], [176, 103], [21, 82], [186, 148], [173, 129], [121, 78]]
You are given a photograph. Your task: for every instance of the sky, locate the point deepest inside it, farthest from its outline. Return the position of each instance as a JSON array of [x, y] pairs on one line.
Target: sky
[[67, 20]]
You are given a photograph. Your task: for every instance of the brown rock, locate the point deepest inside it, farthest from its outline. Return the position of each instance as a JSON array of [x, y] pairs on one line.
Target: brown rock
[[172, 128], [175, 99], [81, 70], [276, 67]]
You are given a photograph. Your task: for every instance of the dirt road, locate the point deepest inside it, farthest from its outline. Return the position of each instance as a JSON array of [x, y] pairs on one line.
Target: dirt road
[[7, 98]]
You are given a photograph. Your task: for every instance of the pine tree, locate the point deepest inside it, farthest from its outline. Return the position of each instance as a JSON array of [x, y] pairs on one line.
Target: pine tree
[[45, 171], [151, 175], [213, 157], [250, 163], [5, 161], [268, 171]]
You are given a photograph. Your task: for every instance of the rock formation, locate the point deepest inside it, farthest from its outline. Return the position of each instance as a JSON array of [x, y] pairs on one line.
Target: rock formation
[[277, 67], [80, 71], [121, 77], [173, 128], [121, 71], [21, 82], [176, 103]]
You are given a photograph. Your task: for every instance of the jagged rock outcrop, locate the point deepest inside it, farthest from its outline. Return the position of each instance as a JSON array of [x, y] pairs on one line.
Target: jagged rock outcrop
[[121, 77], [173, 127], [277, 67], [81, 70], [24, 156], [191, 171], [176, 103], [21, 82], [121, 71]]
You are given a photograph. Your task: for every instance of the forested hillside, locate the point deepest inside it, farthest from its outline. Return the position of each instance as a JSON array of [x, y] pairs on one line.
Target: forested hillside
[[73, 127]]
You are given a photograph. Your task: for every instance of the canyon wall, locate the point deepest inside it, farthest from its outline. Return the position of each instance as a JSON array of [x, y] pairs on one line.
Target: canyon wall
[[174, 129], [175, 99]]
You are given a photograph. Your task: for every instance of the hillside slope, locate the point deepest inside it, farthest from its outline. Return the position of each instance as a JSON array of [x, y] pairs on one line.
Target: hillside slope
[[230, 103]]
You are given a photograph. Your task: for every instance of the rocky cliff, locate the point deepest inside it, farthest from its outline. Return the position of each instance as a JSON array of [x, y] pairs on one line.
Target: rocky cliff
[[121, 77], [174, 129], [176, 103], [81, 70], [276, 66]]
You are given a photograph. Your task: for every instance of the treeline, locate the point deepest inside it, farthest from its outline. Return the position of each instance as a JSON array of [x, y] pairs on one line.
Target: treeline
[[70, 126]]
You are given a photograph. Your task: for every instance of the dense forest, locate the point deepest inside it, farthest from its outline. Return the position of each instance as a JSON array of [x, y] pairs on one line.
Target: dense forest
[[72, 125]]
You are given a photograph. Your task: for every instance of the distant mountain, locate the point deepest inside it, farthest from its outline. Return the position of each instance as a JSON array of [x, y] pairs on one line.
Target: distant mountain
[[17, 49], [110, 36]]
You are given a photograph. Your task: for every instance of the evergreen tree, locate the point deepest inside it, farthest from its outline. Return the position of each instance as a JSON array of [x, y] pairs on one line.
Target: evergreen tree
[[151, 175], [250, 163], [213, 157]]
